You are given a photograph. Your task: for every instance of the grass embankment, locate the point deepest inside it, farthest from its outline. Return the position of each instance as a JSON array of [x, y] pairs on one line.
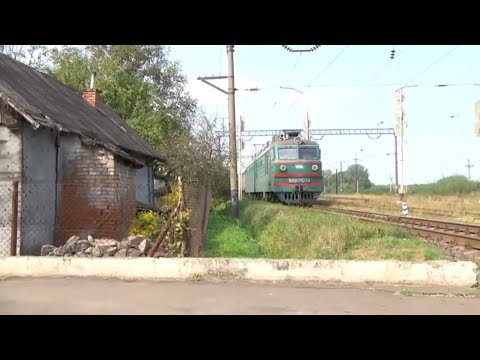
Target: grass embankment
[[419, 204], [277, 231]]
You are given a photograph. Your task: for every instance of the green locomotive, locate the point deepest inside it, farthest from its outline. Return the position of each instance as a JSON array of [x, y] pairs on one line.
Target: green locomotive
[[288, 169]]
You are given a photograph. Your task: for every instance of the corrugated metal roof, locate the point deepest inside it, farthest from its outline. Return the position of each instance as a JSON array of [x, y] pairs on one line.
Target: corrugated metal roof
[[44, 101]]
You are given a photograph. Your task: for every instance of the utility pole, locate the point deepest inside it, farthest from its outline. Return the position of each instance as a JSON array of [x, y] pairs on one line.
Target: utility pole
[[232, 127], [396, 164], [307, 127], [469, 166], [341, 187], [233, 137], [356, 171], [336, 182], [340, 176], [400, 131]]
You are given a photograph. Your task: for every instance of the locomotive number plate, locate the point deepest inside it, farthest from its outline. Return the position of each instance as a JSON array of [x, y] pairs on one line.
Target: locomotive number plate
[[298, 180]]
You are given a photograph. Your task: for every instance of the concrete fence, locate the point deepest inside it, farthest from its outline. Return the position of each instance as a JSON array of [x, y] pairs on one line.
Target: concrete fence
[[438, 273]]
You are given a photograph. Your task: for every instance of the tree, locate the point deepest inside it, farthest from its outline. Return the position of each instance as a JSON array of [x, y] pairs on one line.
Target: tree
[[31, 55], [350, 176], [142, 85], [197, 155], [138, 81], [329, 181]]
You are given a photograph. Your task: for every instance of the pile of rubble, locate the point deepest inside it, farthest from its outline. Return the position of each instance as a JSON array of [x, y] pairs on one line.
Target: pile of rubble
[[133, 246], [457, 252]]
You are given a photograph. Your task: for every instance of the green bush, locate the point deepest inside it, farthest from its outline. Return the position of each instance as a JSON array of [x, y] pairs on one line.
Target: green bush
[[147, 224]]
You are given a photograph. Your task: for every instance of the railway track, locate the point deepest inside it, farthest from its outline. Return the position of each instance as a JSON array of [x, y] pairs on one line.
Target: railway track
[[345, 201], [457, 233]]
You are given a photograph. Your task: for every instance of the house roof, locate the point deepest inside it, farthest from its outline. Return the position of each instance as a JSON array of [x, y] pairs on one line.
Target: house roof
[[44, 101]]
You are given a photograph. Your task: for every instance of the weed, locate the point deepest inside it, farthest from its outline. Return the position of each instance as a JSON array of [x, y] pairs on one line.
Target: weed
[[195, 277], [407, 292], [6, 277], [147, 223]]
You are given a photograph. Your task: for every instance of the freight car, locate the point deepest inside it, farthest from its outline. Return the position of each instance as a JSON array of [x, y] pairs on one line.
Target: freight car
[[288, 169]]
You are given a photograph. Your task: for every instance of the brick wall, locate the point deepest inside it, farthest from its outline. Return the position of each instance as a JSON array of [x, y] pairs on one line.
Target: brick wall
[[96, 192]]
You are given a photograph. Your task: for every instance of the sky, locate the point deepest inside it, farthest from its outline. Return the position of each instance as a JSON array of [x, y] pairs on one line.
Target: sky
[[349, 87]]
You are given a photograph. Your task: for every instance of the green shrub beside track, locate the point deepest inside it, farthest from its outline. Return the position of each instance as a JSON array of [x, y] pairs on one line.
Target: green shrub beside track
[[278, 231]]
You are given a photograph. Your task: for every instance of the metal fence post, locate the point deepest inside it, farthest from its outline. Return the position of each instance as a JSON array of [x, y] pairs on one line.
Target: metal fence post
[[13, 237]]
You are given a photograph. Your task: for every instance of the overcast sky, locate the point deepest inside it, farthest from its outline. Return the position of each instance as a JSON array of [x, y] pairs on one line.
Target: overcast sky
[[353, 87]]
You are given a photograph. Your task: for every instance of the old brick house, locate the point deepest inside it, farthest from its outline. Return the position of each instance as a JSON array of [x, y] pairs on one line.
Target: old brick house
[[81, 168]]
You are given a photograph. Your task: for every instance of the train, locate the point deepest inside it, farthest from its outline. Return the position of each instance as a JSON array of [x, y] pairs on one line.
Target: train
[[287, 169]]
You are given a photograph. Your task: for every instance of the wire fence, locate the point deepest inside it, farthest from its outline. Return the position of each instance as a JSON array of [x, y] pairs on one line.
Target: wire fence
[[198, 198], [33, 214], [7, 223]]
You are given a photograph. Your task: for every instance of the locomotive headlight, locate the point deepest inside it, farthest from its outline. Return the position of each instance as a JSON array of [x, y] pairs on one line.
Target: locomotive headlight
[[283, 167], [314, 167]]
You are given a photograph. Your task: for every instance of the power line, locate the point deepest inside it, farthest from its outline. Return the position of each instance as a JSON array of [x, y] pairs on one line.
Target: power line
[[330, 63], [388, 63], [321, 72], [374, 85], [349, 85], [296, 63], [436, 62]]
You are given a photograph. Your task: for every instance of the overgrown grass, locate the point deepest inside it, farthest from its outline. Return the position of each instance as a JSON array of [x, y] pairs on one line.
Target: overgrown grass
[[226, 238], [277, 231], [385, 203]]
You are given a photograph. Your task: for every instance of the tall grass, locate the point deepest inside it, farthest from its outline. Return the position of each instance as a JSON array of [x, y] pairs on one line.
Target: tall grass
[[277, 231], [226, 238]]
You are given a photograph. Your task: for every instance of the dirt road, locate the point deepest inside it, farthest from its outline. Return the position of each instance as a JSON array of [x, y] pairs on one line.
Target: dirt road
[[98, 296]]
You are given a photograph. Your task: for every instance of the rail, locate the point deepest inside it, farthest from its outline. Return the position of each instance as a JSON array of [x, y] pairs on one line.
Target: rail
[[464, 234], [413, 209]]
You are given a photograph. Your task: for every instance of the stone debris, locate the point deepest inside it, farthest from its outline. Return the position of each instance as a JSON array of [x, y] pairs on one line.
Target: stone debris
[[46, 249], [456, 252], [133, 246], [145, 246]]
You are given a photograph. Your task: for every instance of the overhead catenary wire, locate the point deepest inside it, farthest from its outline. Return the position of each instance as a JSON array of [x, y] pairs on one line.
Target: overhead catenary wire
[[296, 63], [320, 74], [389, 63], [434, 63], [299, 86], [329, 64]]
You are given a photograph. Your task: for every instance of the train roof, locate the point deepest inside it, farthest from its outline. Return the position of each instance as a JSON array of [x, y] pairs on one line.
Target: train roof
[[292, 142]]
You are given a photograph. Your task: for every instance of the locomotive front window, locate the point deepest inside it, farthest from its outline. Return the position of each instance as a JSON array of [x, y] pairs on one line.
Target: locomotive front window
[[288, 153], [308, 153]]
